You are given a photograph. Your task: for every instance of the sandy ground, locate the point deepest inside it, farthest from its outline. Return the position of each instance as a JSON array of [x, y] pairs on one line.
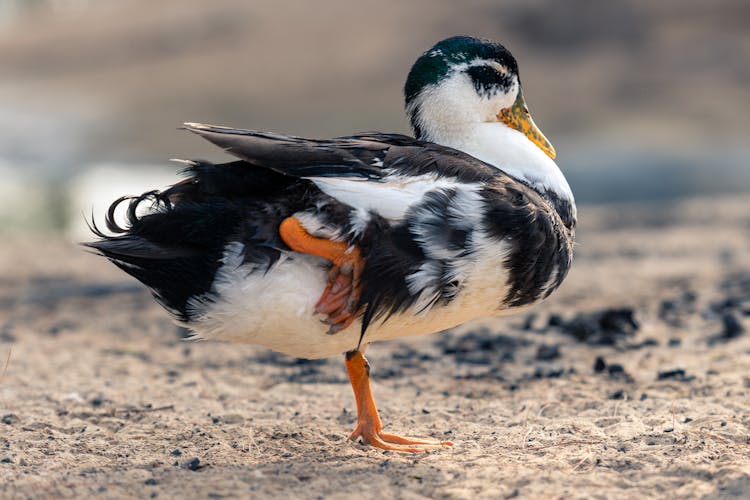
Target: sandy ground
[[100, 396]]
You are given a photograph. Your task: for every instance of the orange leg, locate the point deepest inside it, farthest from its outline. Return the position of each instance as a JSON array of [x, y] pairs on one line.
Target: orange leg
[[341, 296], [369, 427]]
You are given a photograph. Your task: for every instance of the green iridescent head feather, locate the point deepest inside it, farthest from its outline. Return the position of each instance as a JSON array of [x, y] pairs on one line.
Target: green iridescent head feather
[[436, 63]]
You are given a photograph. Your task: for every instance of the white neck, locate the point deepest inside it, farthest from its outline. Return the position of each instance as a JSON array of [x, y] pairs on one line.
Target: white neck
[[453, 115], [513, 153]]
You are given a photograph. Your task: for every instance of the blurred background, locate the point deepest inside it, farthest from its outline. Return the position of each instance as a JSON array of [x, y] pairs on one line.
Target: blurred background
[[644, 101]]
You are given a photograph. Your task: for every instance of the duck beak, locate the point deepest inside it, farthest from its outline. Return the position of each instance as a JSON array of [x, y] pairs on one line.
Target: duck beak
[[518, 117]]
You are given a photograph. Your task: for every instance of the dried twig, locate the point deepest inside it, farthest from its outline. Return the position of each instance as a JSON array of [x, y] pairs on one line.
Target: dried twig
[[583, 460], [7, 362], [564, 443], [143, 410]]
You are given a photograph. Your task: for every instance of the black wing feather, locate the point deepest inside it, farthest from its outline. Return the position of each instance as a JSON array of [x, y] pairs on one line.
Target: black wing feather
[[371, 156]]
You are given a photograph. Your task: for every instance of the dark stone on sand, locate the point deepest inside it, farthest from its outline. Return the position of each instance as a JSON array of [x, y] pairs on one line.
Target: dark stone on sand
[[676, 374], [599, 365], [732, 326], [644, 343], [555, 320], [193, 464], [615, 369], [151, 482], [618, 394], [547, 352], [540, 372], [10, 419], [674, 342], [480, 347], [604, 327], [176, 452], [617, 372], [6, 460]]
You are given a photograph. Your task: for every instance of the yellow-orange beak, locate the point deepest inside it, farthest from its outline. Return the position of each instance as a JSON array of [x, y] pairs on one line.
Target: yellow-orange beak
[[518, 117]]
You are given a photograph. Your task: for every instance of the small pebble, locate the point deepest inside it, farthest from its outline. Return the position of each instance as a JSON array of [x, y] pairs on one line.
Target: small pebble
[[732, 326], [555, 320], [599, 364], [151, 482], [193, 464], [677, 373], [674, 342], [615, 369], [6, 460], [618, 394], [10, 419], [547, 352], [176, 452]]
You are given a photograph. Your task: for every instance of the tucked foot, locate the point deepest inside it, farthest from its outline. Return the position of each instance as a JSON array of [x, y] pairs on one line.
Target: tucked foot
[[369, 427], [340, 298]]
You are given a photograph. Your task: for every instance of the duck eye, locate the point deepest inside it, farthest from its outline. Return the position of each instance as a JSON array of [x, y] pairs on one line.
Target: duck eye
[[488, 81]]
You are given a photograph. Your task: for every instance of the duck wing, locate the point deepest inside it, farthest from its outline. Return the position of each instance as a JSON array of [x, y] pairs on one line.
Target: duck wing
[[384, 173]]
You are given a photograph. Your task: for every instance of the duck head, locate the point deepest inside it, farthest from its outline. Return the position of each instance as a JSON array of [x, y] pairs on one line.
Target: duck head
[[463, 81]]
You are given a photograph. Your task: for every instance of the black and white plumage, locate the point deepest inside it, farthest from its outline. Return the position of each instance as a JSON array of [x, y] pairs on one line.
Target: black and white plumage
[[470, 220]]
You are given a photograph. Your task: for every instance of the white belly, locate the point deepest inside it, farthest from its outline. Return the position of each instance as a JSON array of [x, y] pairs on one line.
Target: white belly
[[275, 309]]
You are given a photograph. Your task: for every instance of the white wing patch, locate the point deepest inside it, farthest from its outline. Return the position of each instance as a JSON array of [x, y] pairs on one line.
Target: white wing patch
[[390, 198]]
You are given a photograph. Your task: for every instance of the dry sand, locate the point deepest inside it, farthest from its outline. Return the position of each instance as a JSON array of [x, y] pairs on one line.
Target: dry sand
[[100, 396]]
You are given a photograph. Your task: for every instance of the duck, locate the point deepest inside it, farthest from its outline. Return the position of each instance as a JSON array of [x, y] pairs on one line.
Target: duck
[[319, 247]]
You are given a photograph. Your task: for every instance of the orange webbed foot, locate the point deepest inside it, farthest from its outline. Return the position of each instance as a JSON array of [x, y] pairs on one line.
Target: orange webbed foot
[[391, 442]]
